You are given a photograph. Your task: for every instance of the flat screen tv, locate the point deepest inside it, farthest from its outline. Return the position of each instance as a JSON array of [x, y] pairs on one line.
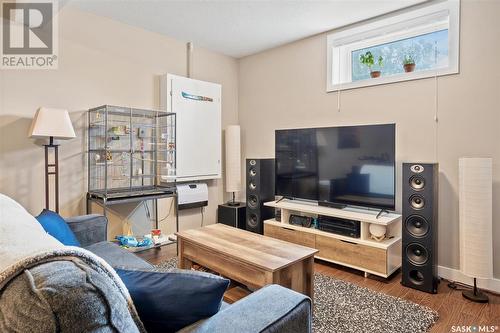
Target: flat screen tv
[[349, 165]]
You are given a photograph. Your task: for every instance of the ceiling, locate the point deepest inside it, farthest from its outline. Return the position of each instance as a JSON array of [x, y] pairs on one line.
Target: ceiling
[[240, 28]]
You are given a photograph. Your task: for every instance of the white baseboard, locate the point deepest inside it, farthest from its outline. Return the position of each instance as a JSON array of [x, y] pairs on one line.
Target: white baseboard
[[457, 276]]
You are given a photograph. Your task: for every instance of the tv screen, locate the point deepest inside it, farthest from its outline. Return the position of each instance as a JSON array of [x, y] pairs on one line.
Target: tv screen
[[350, 165]]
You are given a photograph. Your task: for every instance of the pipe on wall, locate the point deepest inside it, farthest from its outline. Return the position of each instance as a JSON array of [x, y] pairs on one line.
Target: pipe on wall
[[189, 59]]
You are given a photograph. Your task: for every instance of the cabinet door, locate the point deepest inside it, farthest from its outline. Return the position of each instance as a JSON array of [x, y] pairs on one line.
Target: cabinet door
[[357, 255], [290, 235], [197, 105]]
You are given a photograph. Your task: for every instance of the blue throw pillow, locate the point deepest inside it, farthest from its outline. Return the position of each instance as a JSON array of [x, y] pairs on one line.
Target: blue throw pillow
[[169, 301], [57, 227]]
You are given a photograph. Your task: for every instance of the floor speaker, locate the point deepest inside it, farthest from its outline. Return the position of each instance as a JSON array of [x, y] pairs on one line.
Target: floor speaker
[[420, 232], [260, 189], [232, 215]]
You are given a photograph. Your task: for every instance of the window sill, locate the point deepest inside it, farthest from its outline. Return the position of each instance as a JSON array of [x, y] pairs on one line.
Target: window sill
[[391, 79]]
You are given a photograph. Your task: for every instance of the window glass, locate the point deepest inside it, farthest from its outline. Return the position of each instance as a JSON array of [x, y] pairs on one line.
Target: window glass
[[428, 51]]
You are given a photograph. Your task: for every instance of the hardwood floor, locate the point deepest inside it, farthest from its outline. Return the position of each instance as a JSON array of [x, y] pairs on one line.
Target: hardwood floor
[[160, 254], [453, 309]]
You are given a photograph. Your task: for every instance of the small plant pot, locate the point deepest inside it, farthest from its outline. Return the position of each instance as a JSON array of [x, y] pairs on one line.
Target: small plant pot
[[409, 67], [375, 74]]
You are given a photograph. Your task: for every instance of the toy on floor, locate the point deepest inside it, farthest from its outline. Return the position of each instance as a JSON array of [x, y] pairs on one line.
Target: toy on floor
[[131, 241]]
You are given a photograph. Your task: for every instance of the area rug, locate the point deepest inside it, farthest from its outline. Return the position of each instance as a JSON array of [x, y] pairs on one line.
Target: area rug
[[341, 306]]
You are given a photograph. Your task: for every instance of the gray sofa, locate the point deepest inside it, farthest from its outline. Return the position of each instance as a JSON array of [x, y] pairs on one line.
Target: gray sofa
[[270, 309]]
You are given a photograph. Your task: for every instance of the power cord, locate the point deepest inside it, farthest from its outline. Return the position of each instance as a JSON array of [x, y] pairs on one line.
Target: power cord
[[455, 286], [202, 215], [169, 211], [146, 208], [148, 213]]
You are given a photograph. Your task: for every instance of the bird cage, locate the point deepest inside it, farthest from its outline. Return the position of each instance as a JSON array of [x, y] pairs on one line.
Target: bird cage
[[130, 151]]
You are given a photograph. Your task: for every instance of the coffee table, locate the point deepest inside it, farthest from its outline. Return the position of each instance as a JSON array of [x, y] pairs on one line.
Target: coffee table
[[248, 258]]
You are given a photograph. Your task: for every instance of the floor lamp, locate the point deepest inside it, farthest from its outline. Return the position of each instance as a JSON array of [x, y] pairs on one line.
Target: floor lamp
[[233, 162], [475, 215], [52, 124]]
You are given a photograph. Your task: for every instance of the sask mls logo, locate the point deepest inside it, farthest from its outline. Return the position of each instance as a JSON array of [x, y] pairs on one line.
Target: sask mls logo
[[29, 30]]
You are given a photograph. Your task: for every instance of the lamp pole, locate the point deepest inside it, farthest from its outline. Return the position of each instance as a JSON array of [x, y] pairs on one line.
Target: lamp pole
[[52, 169]]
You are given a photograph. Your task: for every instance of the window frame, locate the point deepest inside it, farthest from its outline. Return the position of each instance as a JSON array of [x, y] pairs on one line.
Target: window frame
[[409, 23]]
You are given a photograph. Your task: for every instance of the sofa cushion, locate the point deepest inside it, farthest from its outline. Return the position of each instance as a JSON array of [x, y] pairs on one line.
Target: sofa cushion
[[64, 296], [169, 301], [20, 234], [272, 308], [57, 227], [88, 229], [117, 257]]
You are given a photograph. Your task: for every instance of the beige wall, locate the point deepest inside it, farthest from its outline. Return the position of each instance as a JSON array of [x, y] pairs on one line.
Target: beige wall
[[100, 62], [106, 62], [285, 88]]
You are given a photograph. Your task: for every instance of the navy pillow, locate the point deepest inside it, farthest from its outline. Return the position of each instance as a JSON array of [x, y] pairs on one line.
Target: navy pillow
[[169, 301], [57, 227]]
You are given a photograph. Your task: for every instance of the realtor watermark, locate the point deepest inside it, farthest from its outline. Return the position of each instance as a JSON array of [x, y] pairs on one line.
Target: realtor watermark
[[474, 328], [29, 34]]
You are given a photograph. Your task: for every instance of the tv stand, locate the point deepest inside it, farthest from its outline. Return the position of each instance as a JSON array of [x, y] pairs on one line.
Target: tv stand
[[381, 212], [365, 254], [281, 199]]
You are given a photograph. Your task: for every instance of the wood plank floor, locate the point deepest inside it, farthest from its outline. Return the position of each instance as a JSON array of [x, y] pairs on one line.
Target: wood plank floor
[[453, 309]]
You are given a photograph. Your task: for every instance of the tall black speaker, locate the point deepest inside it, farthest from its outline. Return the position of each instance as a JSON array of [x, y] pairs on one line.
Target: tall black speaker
[[260, 188], [420, 221]]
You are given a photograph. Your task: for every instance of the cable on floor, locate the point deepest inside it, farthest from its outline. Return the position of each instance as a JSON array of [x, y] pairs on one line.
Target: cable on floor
[[455, 285]]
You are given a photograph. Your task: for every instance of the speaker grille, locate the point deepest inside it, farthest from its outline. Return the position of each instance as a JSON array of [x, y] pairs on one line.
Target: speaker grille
[[253, 201], [417, 168], [416, 277], [419, 234], [417, 183], [417, 254], [253, 220], [417, 225], [260, 189], [417, 202]]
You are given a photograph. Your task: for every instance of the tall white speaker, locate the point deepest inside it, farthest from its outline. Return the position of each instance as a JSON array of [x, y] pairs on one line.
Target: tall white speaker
[[475, 214], [233, 161]]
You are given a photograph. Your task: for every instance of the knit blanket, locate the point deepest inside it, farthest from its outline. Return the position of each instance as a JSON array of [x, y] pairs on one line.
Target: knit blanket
[[24, 244], [71, 254]]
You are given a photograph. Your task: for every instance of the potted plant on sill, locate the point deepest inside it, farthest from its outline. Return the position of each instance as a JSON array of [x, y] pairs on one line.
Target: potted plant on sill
[[409, 63], [369, 60]]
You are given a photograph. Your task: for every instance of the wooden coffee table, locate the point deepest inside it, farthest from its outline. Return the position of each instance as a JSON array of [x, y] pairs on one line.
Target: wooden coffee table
[[250, 259]]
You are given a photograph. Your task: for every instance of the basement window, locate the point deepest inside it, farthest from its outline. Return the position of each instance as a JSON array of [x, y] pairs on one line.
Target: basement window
[[417, 43]]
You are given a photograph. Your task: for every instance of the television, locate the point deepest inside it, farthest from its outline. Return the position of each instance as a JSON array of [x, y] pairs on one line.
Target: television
[[338, 166]]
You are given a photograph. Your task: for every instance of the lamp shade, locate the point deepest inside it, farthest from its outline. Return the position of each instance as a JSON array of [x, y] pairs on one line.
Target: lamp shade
[[52, 123], [475, 215], [233, 159]]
